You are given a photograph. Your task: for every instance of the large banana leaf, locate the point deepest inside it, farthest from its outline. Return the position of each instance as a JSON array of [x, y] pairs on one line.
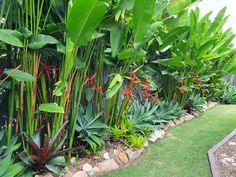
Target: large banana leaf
[[143, 12], [84, 18], [118, 37]]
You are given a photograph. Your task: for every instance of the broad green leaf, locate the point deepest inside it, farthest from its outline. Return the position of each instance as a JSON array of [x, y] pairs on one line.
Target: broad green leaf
[[5, 163], [60, 160], [173, 35], [179, 5], [159, 9], [171, 62], [118, 37], [131, 55], [11, 37], [205, 48], [143, 12], [114, 86], [14, 170], [19, 75], [124, 4], [40, 40], [51, 108], [83, 20]]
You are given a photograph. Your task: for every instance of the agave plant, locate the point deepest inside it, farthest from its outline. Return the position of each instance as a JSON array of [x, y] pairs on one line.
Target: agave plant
[[169, 110], [198, 103], [90, 127], [142, 115], [229, 94]]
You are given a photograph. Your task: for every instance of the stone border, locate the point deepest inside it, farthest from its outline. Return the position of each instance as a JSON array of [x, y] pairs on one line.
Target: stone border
[[118, 158], [211, 152]]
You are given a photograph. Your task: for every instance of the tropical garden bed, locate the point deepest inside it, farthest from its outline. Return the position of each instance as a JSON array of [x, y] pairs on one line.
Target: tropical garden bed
[[77, 76]]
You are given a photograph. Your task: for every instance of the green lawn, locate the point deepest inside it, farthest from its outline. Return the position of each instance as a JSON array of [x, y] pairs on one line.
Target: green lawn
[[183, 151]]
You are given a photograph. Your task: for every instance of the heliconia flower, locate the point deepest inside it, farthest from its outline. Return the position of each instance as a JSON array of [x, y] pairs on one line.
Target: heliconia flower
[[157, 99], [134, 72], [197, 80], [48, 70], [90, 80], [100, 89], [128, 92], [134, 80], [183, 89]]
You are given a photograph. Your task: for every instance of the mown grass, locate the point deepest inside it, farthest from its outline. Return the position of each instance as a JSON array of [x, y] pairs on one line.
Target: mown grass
[[183, 151]]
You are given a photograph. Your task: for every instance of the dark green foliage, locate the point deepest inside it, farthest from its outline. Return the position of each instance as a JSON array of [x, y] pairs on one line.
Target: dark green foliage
[[142, 115], [198, 103], [9, 168], [168, 111], [228, 94], [90, 127]]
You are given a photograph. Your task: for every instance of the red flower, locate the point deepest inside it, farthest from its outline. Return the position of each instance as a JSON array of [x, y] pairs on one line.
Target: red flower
[[157, 99], [48, 70], [100, 89], [128, 92], [90, 80]]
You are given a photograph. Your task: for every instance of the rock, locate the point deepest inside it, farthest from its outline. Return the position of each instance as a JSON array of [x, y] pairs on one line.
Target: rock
[[231, 143], [67, 168], [223, 155], [72, 161], [106, 156], [133, 155], [80, 174], [94, 171], [87, 167], [152, 138], [176, 121], [212, 104], [48, 175], [182, 120], [68, 174], [171, 123], [195, 114], [224, 162], [123, 157], [108, 165], [229, 160], [234, 164], [162, 132], [158, 134], [146, 144]]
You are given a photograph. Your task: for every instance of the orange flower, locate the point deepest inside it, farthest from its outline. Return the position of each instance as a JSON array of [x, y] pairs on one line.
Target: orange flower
[[183, 89], [128, 92]]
